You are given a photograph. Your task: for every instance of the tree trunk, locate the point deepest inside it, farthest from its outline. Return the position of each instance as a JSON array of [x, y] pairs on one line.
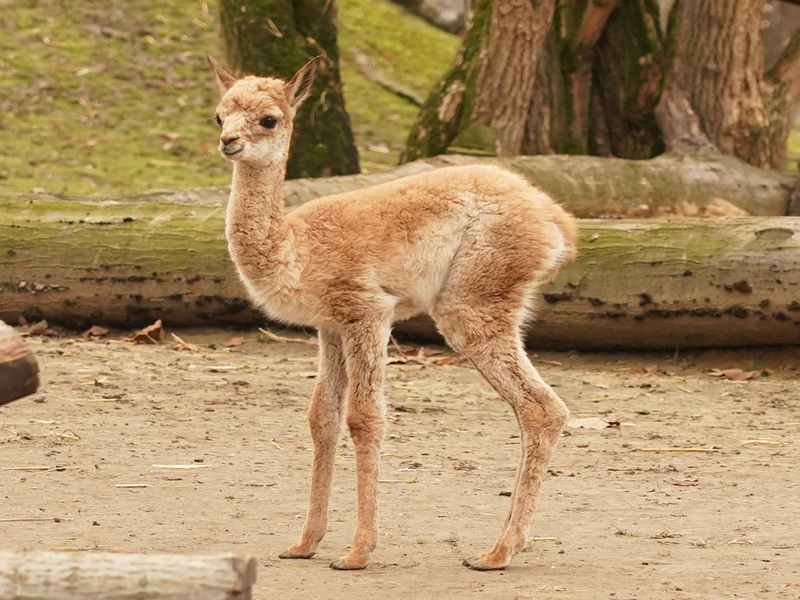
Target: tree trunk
[[130, 262], [103, 576], [448, 109], [602, 68], [274, 38], [626, 77], [558, 86], [19, 371], [718, 61], [506, 74]]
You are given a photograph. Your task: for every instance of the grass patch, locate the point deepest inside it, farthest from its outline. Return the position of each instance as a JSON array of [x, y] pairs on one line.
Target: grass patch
[[108, 97]]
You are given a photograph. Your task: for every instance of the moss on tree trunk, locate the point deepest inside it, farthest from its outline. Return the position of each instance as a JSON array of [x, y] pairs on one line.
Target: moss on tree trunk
[[448, 110], [274, 38]]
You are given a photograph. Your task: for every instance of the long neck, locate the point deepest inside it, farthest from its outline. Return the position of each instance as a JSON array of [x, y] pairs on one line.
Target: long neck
[[256, 231]]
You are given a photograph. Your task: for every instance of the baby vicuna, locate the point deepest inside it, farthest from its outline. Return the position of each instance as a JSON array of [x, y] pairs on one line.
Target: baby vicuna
[[467, 245]]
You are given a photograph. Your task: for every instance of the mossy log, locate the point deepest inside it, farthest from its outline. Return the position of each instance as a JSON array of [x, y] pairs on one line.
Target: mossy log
[[593, 187], [102, 576], [588, 186], [651, 283], [19, 371]]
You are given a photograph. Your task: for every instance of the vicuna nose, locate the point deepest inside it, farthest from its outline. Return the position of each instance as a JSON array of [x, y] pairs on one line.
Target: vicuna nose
[[228, 140]]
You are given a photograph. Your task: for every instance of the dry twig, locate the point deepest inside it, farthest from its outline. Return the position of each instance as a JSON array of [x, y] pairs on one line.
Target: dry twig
[[712, 449], [279, 338]]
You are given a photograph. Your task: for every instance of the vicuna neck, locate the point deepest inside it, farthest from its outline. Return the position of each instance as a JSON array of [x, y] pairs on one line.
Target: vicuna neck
[[255, 225]]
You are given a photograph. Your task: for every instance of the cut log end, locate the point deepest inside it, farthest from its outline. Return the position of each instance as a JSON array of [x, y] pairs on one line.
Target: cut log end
[[19, 371]]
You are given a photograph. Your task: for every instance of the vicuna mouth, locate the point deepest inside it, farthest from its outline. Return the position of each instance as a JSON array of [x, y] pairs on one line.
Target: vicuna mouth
[[228, 152]]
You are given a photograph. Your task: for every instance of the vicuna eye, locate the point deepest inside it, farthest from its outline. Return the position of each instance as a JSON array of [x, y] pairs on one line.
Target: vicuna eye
[[268, 122], [219, 121]]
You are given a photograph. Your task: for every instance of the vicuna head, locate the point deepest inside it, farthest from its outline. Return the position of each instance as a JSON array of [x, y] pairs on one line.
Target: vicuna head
[[256, 113]]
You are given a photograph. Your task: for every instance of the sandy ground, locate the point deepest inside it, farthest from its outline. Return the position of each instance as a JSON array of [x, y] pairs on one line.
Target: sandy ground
[[619, 517]]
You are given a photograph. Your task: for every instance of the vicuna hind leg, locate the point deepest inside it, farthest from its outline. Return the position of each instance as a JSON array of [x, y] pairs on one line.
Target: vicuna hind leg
[[324, 418], [492, 343]]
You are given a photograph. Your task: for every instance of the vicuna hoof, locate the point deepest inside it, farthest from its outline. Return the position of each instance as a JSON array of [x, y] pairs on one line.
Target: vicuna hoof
[[293, 552], [485, 562], [349, 563]]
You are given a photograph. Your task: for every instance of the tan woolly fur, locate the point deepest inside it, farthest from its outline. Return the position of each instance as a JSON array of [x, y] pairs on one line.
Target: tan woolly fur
[[467, 245]]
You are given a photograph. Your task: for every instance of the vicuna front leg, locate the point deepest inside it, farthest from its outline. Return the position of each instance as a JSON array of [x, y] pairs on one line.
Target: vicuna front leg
[[365, 351], [324, 418]]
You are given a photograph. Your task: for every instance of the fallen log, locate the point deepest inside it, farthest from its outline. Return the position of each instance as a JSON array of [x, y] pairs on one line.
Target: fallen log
[[595, 187], [32, 575], [19, 371], [650, 283], [588, 186]]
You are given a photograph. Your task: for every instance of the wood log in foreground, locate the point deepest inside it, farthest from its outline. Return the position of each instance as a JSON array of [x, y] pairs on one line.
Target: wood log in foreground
[[33, 575], [19, 371]]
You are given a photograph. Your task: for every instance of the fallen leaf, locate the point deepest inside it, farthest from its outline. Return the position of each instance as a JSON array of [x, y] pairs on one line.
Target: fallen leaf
[[35, 329], [445, 360], [151, 334], [237, 341], [95, 331]]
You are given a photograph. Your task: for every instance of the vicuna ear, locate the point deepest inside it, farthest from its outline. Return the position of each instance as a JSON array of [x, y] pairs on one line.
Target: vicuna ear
[[225, 81], [299, 87]]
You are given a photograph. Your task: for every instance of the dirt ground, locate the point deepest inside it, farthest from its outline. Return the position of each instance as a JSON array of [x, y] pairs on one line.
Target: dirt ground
[[619, 516]]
